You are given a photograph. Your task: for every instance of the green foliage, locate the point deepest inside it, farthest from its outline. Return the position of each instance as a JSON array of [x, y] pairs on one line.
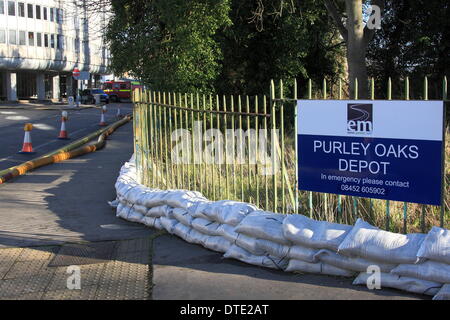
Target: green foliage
[[414, 41], [168, 43], [225, 46]]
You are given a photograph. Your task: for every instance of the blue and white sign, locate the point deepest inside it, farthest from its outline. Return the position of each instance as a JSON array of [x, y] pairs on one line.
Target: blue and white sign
[[389, 150]]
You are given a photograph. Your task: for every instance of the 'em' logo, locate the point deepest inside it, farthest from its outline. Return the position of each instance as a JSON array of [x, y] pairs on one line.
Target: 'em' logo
[[359, 118]]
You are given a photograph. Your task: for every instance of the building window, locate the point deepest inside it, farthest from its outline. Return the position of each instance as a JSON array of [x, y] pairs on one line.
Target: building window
[[58, 42], [44, 11], [51, 14], [56, 15], [12, 37], [61, 16], [11, 8], [2, 7], [31, 38], [22, 41], [46, 40], [52, 40], [21, 9], [39, 39], [38, 12], [30, 10], [2, 36]]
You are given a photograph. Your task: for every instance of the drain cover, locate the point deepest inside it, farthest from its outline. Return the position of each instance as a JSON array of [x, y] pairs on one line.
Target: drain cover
[[80, 254]]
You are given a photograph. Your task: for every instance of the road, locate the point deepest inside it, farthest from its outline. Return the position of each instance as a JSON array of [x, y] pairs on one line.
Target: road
[[46, 126]]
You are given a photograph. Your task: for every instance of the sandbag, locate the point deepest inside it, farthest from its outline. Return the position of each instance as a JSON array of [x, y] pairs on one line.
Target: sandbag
[[303, 253], [197, 237], [182, 216], [317, 268], [310, 233], [369, 242], [168, 224], [428, 270], [444, 293], [249, 244], [151, 199], [263, 225], [218, 244], [159, 211], [206, 226], [114, 204], [235, 252], [141, 209], [182, 199], [134, 216], [151, 222], [225, 211], [227, 231], [436, 245], [182, 231], [389, 280], [273, 248], [354, 264]]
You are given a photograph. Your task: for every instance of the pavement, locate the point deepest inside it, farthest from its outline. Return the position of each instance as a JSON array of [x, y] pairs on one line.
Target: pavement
[[57, 216]]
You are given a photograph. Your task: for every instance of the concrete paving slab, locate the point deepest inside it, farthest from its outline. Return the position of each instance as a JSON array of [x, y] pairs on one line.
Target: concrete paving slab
[[72, 205], [187, 271]]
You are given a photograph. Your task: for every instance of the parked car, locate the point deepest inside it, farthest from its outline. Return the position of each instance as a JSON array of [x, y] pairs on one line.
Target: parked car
[[88, 96]]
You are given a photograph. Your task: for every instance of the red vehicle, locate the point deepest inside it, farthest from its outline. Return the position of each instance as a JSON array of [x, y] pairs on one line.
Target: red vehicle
[[121, 89]]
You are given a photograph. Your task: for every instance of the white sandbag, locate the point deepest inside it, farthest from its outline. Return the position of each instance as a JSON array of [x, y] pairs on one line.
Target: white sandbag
[[369, 242], [348, 263], [182, 231], [206, 226], [141, 209], [436, 245], [168, 224], [159, 211], [182, 216], [122, 211], [310, 233], [249, 244], [151, 222], [134, 216], [317, 268], [135, 194], [182, 199], [196, 209], [238, 253], [428, 270], [227, 231], [114, 204], [226, 211], [197, 237], [444, 293], [303, 253], [389, 280], [273, 248], [151, 199], [218, 244], [263, 225]]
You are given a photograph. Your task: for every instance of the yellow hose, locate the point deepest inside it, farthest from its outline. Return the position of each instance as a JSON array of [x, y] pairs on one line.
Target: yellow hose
[[62, 154]]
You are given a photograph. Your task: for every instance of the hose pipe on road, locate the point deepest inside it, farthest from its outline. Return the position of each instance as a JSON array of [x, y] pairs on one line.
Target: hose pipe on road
[[64, 153]]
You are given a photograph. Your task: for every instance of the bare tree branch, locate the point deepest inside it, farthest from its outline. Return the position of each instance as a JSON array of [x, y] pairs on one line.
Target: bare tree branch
[[337, 18]]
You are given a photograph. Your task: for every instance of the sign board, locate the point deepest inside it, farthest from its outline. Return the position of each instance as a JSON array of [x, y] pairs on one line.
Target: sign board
[[76, 73], [82, 75], [390, 150], [71, 101]]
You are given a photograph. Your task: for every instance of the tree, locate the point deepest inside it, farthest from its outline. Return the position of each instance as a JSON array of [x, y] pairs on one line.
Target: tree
[[412, 45], [169, 44], [357, 38]]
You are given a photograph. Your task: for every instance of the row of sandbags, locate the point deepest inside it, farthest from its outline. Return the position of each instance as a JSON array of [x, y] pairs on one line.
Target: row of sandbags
[[418, 263]]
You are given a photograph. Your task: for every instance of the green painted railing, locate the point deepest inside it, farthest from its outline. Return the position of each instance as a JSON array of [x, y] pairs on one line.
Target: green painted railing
[[241, 174]]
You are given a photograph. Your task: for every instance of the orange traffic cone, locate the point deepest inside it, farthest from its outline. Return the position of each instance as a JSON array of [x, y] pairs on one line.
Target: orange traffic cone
[[63, 132], [27, 147], [102, 119]]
